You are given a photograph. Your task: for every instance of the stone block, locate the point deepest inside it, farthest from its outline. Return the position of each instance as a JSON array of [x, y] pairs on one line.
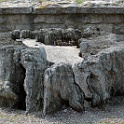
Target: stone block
[[15, 10]]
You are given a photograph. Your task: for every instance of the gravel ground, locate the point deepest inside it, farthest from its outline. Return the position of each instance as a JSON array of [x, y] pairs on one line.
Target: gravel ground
[[113, 114]]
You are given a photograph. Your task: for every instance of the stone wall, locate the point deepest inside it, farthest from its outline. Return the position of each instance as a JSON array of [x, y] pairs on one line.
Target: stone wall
[[40, 17]]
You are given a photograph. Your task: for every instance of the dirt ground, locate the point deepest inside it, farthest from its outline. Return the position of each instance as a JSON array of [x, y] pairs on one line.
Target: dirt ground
[[112, 114]]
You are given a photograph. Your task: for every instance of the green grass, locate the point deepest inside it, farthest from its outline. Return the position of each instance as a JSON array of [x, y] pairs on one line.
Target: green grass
[[79, 1], [122, 123], [111, 120], [2, 0], [42, 0]]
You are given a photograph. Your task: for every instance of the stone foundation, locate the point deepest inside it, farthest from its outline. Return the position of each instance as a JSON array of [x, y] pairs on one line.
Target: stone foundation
[[107, 19]]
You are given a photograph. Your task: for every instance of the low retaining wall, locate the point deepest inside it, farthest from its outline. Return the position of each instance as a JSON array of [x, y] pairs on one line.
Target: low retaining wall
[[40, 17]]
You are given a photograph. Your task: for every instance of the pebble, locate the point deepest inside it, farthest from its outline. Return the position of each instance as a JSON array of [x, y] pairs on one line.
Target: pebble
[[65, 110]]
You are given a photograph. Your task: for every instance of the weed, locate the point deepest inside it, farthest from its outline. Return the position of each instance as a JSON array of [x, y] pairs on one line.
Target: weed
[[79, 1], [121, 123]]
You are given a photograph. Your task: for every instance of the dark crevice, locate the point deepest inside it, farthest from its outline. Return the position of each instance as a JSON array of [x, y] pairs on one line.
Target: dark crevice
[[22, 95], [20, 76]]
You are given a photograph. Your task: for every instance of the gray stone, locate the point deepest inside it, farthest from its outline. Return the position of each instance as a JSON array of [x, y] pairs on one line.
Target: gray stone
[[84, 47], [51, 35], [60, 88], [8, 87], [40, 35], [15, 10], [34, 62], [91, 31], [93, 45], [81, 80], [118, 29], [21, 77], [88, 32], [25, 34], [78, 9], [19, 40], [102, 74], [15, 34], [117, 37]]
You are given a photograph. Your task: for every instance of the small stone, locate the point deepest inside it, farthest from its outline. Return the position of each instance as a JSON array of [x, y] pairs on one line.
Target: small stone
[[19, 40]]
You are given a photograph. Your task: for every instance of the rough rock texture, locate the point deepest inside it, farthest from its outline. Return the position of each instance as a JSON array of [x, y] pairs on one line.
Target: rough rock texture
[[94, 44], [102, 74], [60, 87], [7, 83], [34, 62], [24, 85], [49, 36], [33, 17], [21, 77], [28, 81]]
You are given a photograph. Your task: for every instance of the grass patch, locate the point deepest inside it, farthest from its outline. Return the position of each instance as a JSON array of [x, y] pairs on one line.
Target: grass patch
[[122, 123], [111, 122], [2, 1], [79, 1]]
